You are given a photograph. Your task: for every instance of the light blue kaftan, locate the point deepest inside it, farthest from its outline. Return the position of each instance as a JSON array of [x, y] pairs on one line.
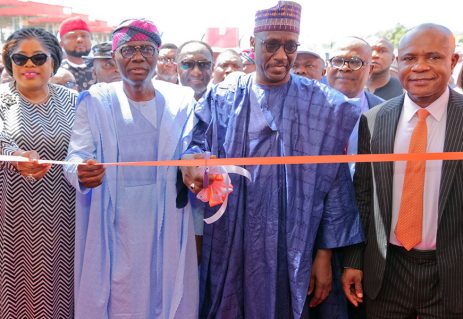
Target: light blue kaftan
[[257, 258], [135, 251]]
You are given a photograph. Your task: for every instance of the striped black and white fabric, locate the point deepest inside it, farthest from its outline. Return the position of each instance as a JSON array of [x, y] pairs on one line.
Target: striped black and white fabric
[[36, 218]]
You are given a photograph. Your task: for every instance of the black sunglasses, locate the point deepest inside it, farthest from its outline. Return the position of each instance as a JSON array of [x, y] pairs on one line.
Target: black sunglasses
[[273, 46], [21, 59], [190, 65]]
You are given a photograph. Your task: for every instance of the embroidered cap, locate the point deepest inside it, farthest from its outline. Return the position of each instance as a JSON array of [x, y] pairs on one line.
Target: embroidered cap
[[135, 30], [285, 16]]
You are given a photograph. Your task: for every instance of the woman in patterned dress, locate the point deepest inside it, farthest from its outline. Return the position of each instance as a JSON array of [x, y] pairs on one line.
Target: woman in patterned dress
[[36, 202]]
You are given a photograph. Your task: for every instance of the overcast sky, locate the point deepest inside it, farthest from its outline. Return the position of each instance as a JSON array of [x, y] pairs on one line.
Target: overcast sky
[[322, 20]]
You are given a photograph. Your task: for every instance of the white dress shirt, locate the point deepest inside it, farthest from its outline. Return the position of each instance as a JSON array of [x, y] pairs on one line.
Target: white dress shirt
[[436, 123]]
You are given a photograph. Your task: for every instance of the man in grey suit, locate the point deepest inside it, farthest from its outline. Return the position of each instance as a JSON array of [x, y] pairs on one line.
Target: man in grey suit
[[426, 278]]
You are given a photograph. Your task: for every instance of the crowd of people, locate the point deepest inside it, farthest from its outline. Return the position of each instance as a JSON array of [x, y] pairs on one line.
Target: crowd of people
[[93, 238]]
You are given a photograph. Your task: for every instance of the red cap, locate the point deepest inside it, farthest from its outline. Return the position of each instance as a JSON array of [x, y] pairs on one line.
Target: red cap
[[72, 24]]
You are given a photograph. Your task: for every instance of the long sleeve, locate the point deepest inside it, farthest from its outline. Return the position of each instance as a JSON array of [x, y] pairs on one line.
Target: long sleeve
[[81, 146], [363, 183], [7, 145], [340, 225]]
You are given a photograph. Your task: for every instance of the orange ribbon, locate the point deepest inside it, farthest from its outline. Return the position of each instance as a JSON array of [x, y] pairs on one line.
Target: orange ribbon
[[288, 160], [216, 192], [291, 160]]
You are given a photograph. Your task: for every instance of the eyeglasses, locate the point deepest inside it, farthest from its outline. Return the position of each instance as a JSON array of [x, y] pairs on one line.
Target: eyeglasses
[[190, 65], [273, 46], [21, 59], [167, 60], [354, 63], [128, 51]]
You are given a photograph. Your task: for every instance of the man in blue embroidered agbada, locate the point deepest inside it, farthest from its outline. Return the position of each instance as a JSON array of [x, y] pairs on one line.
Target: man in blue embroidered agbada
[[135, 251], [257, 259]]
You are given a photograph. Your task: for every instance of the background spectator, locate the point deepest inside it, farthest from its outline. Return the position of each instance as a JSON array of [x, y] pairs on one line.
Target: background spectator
[[194, 66], [381, 83], [227, 62], [104, 68], [76, 42], [309, 64], [166, 67]]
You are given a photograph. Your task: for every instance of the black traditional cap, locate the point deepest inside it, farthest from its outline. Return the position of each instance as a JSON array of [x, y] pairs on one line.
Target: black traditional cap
[[100, 51]]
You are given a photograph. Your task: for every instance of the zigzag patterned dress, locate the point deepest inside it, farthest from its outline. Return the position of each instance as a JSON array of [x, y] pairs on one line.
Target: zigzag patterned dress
[[36, 219]]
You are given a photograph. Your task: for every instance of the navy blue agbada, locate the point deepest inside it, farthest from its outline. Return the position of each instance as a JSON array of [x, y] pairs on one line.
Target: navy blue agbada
[[257, 258]]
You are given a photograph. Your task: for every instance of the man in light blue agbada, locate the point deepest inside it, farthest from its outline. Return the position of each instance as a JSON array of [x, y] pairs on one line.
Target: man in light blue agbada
[[135, 254], [257, 259]]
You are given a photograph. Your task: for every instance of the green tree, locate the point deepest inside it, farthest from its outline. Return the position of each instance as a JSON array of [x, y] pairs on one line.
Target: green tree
[[394, 34]]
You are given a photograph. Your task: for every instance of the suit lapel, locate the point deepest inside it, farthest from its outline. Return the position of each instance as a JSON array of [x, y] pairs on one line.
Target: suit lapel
[[383, 143], [453, 143]]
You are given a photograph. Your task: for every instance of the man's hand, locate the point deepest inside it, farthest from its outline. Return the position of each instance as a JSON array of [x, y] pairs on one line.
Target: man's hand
[[32, 168], [193, 175], [321, 277], [90, 175], [352, 285]]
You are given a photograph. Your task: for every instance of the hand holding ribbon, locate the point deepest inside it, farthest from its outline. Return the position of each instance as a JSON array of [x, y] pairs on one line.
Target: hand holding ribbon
[[218, 190], [28, 165], [90, 175], [211, 184], [193, 176]]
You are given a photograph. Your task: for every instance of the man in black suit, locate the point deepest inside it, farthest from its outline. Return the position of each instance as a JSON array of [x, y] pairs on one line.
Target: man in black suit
[[426, 278]]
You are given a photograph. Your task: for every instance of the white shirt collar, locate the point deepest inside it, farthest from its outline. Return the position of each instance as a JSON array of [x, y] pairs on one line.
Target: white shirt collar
[[436, 108]]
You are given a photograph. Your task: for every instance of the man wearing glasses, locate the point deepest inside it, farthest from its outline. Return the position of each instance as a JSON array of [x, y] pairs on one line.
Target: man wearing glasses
[[348, 71], [194, 66], [257, 259], [135, 251], [166, 67]]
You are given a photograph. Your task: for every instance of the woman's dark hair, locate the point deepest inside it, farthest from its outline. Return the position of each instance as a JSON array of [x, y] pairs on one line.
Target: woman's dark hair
[[48, 40]]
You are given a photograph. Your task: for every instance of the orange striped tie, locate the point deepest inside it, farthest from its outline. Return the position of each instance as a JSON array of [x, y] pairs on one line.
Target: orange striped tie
[[410, 223]]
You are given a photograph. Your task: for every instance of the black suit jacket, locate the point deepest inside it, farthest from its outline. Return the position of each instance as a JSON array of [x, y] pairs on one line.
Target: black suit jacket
[[373, 183]]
